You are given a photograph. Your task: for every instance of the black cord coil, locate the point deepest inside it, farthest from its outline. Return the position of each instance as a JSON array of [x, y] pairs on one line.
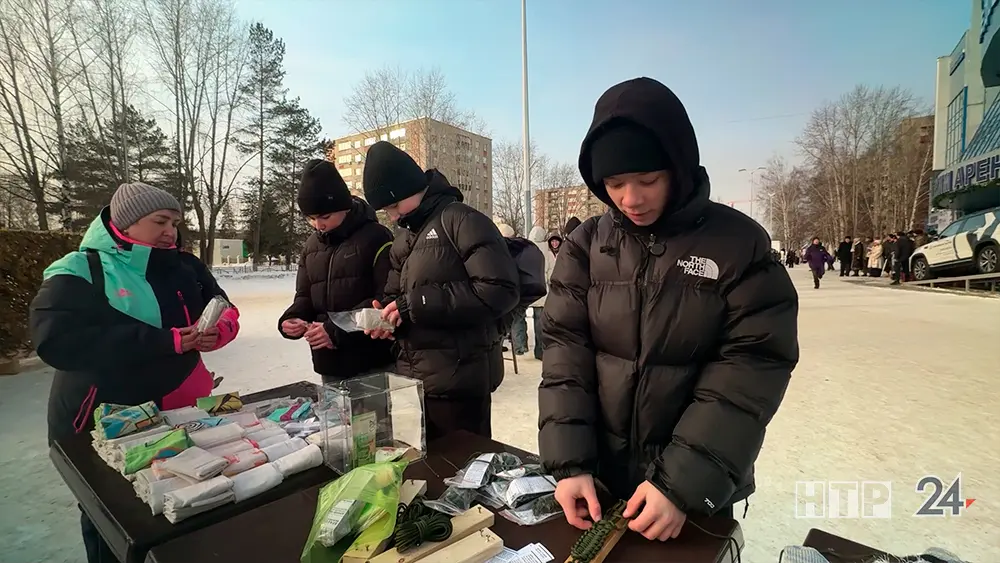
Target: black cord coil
[[416, 524]]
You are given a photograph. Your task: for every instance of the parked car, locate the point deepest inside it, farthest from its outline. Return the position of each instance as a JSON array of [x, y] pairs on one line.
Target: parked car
[[970, 245]]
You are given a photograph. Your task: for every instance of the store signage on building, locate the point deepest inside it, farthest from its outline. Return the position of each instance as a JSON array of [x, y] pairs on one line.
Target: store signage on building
[[974, 172], [988, 7]]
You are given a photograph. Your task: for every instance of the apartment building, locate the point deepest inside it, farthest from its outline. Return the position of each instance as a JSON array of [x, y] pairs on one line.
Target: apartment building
[[464, 157], [552, 207]]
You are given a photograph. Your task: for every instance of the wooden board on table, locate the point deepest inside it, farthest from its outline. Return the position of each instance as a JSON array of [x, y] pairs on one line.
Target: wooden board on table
[[462, 526], [477, 548], [408, 491], [609, 544]]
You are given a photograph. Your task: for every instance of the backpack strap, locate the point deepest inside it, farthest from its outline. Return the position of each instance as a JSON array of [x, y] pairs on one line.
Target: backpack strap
[[379, 252], [96, 270]]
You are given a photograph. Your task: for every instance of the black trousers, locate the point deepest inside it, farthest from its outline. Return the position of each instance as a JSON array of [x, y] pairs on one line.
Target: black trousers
[[447, 415], [817, 275], [97, 549], [845, 267]]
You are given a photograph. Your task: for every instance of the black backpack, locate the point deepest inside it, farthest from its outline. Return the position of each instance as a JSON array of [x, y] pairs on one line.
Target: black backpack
[[530, 269]]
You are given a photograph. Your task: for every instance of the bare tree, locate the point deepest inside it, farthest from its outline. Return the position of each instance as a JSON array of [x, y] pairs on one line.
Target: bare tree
[[388, 96], [103, 38], [184, 37], [782, 195], [47, 56], [217, 168], [15, 212], [378, 101], [23, 143], [843, 142], [509, 199], [560, 176]]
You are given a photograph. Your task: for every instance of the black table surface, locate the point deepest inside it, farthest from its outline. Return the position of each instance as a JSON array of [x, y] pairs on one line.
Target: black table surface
[[278, 532], [842, 550], [125, 522]]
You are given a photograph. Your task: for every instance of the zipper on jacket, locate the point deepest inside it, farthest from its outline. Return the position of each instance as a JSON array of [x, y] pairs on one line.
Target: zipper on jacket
[[326, 281], [187, 315], [640, 291]]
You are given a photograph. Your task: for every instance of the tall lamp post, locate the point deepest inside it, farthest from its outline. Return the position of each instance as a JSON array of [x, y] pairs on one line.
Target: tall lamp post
[[524, 101], [752, 172]]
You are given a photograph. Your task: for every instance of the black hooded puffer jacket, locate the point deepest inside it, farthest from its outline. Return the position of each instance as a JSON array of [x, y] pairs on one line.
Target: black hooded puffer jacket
[[453, 280], [667, 349], [342, 270]]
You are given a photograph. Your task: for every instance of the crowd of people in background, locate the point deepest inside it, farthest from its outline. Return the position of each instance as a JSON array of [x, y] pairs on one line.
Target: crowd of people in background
[[866, 257]]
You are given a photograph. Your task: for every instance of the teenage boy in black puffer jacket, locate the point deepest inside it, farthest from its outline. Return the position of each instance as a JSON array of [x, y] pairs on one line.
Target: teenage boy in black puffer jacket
[[343, 267], [451, 283]]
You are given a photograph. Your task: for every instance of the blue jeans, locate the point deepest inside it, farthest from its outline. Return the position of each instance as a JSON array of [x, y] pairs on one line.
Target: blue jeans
[[536, 317], [519, 334]]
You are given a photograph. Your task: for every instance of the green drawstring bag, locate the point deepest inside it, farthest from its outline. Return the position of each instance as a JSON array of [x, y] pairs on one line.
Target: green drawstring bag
[[139, 457], [357, 511]]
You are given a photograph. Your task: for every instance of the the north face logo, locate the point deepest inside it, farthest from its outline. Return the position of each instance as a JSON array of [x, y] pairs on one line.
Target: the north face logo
[[431, 234], [701, 267]]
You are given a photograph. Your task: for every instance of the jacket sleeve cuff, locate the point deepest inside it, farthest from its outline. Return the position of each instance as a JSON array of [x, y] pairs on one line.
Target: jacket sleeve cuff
[[691, 481], [229, 327], [567, 472], [176, 334], [333, 331], [403, 306]]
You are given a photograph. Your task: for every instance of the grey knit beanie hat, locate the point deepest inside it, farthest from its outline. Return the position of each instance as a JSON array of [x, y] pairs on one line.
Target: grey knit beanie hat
[[134, 201]]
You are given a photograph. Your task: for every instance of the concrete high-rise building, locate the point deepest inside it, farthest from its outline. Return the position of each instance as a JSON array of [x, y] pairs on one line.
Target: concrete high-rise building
[[465, 158], [967, 119], [552, 207]]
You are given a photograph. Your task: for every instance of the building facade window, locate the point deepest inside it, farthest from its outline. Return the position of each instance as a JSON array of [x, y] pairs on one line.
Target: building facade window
[[987, 137], [957, 117]]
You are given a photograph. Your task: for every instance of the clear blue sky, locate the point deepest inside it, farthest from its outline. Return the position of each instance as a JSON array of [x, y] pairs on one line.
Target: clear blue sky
[[749, 71]]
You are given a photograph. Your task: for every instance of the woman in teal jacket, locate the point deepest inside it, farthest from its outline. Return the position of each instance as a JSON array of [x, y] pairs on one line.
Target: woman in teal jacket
[[116, 319]]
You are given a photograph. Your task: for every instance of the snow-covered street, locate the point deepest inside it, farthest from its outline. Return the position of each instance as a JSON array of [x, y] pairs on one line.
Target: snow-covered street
[[893, 385]]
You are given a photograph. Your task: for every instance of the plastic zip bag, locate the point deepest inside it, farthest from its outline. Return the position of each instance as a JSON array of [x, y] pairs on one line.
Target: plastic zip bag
[[359, 320], [482, 469], [212, 313], [361, 503], [542, 509], [526, 489], [526, 470], [493, 494], [453, 501]]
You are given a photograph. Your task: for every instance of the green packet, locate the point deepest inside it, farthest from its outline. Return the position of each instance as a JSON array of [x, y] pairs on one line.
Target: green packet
[[361, 505], [220, 404], [141, 456]]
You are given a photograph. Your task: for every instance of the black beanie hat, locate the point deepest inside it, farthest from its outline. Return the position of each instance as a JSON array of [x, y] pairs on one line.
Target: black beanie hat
[[625, 148], [322, 190], [391, 175]]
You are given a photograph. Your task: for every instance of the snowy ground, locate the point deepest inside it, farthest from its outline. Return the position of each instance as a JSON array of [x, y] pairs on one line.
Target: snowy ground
[[893, 385]]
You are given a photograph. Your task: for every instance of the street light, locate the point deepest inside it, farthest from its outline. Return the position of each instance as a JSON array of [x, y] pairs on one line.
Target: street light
[[524, 98], [752, 172]]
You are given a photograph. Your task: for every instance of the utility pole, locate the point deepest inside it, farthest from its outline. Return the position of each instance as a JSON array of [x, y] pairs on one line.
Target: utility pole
[[752, 171], [524, 99]]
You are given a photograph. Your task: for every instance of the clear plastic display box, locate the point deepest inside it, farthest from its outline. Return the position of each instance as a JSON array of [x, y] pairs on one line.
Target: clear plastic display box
[[371, 418]]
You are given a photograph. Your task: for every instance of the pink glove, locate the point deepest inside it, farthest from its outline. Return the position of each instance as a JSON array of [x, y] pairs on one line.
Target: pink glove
[[229, 327]]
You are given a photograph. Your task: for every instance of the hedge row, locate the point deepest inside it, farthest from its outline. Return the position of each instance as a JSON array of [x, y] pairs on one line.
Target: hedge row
[[24, 255]]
